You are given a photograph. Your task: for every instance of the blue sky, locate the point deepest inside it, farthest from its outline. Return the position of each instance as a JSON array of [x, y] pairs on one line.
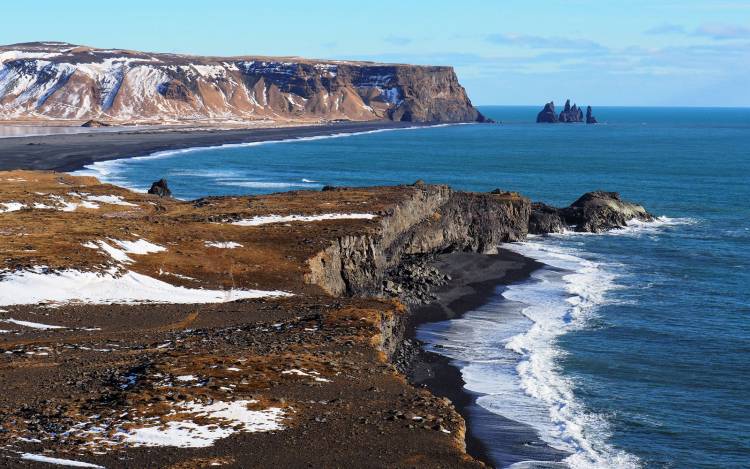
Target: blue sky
[[627, 52]]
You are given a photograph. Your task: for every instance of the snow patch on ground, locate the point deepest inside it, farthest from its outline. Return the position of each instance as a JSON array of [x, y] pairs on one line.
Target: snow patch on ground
[[110, 199], [11, 206], [311, 374], [33, 325], [139, 247], [230, 418], [40, 286], [57, 461], [268, 219], [222, 245]]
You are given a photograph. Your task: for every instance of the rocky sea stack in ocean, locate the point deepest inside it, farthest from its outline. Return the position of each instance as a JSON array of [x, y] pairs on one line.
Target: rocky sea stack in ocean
[[569, 114]]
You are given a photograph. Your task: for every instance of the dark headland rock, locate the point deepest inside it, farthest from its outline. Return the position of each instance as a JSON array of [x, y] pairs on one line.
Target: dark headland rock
[[160, 188], [593, 212], [547, 115], [590, 119]]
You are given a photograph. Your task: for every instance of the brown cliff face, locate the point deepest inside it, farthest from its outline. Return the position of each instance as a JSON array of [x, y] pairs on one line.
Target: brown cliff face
[[64, 81]]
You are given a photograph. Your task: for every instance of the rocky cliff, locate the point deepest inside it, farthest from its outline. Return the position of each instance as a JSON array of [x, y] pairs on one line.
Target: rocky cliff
[[55, 80], [434, 219]]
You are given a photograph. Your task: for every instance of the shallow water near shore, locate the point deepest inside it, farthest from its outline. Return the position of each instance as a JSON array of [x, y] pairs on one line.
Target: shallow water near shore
[[631, 348]]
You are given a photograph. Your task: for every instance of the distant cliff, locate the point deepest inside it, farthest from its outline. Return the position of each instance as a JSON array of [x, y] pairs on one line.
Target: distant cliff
[[53, 80]]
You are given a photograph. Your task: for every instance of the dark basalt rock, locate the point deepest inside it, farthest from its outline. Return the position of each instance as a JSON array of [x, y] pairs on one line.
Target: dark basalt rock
[[160, 188], [594, 212], [545, 219], [547, 115], [571, 113], [95, 124], [590, 119], [600, 211]]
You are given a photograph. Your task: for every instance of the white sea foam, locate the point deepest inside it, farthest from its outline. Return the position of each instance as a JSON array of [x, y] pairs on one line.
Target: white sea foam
[[507, 352], [558, 301]]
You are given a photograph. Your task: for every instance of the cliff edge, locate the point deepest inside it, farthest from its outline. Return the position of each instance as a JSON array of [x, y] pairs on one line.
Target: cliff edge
[[61, 81]]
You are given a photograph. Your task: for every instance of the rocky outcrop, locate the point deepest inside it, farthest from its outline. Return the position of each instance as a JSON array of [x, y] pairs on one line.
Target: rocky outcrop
[[545, 219], [433, 218], [94, 124], [571, 113], [437, 219], [590, 119], [160, 188], [66, 81], [547, 115], [594, 212]]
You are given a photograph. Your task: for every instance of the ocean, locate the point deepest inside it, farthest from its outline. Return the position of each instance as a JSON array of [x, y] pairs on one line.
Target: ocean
[[630, 349]]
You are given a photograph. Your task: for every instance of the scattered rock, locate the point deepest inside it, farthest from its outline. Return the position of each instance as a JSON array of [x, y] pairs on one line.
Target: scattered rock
[[160, 188], [95, 124]]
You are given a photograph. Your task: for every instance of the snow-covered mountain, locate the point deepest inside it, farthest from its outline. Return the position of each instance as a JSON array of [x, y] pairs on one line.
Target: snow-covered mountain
[[54, 80]]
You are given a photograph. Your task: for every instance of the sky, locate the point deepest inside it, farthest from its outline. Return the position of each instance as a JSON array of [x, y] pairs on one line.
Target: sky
[[597, 52]]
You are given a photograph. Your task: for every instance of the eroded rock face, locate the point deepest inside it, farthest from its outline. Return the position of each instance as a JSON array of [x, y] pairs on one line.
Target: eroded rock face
[[594, 212], [545, 219], [64, 81], [601, 211]]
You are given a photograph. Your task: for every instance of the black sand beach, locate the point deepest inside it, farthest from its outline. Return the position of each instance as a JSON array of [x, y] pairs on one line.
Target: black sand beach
[[70, 152], [475, 279]]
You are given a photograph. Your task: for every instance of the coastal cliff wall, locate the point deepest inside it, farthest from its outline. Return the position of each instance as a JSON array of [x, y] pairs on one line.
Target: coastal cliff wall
[[436, 219], [433, 218], [41, 81]]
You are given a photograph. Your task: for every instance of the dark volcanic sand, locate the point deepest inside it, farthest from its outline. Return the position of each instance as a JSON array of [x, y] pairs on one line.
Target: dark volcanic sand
[[73, 151], [475, 279]]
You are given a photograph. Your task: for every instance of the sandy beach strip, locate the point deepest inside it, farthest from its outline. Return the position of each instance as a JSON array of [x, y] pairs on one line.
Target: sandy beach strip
[[71, 152]]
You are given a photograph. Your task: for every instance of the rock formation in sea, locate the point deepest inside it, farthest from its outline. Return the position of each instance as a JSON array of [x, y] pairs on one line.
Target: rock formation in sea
[[571, 113], [66, 81], [593, 212], [548, 114], [590, 119]]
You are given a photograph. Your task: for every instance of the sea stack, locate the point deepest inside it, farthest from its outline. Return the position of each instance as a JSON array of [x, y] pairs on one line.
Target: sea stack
[[547, 115], [590, 119], [571, 113]]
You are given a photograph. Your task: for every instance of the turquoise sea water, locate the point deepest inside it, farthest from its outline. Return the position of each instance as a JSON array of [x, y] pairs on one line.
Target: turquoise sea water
[[632, 349]]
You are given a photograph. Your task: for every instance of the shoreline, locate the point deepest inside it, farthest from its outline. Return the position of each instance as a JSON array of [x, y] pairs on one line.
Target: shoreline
[[475, 279], [73, 152]]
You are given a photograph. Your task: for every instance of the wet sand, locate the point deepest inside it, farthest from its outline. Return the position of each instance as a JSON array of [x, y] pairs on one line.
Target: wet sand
[[74, 151], [475, 279]]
